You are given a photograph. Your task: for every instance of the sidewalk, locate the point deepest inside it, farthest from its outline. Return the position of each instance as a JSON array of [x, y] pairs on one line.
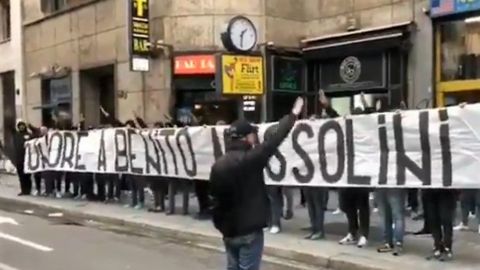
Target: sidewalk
[[287, 246]]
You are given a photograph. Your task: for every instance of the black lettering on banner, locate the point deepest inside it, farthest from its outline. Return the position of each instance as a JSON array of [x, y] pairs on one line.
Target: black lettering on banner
[[43, 156], [102, 159], [351, 177], [276, 177], [174, 158], [324, 129], [121, 137], [151, 162], [55, 135], [403, 161], [36, 165], [78, 157], [217, 147], [384, 151], [445, 145], [184, 133], [131, 155], [68, 140], [159, 149], [308, 176]]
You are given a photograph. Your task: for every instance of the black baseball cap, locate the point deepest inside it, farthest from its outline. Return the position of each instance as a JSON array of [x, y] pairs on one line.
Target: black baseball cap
[[241, 128]]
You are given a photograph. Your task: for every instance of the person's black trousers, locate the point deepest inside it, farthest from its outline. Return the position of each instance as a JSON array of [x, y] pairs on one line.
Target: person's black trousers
[[25, 180], [202, 189], [86, 185], [440, 206], [38, 182], [137, 186], [159, 187], [412, 198], [354, 202], [426, 214], [101, 180], [113, 186]]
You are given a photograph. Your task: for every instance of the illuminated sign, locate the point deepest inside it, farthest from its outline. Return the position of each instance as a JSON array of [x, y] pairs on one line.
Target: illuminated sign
[[139, 32], [240, 75], [194, 64], [440, 8]]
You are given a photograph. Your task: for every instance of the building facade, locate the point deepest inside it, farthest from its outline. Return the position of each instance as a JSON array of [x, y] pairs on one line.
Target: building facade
[[11, 67], [77, 57]]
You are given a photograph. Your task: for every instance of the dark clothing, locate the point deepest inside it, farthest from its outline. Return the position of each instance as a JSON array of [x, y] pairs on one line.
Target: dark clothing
[[202, 191], [440, 206], [19, 139], [137, 186], [354, 202], [237, 184]]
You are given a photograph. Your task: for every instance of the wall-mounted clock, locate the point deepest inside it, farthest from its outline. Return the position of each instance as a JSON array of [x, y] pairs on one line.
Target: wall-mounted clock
[[241, 35]]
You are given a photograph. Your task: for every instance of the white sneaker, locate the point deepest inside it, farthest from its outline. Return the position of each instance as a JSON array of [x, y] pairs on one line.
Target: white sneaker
[[347, 240], [460, 227], [337, 212], [375, 210], [472, 216], [274, 229], [58, 195], [362, 242]]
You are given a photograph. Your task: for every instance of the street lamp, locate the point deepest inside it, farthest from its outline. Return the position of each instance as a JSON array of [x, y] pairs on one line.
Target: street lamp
[[264, 47]]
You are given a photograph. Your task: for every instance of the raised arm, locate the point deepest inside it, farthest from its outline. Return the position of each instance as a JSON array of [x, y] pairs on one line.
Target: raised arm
[[261, 154]]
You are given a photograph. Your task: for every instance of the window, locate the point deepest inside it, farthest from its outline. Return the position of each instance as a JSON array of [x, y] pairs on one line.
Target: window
[[460, 49], [49, 6], [5, 23]]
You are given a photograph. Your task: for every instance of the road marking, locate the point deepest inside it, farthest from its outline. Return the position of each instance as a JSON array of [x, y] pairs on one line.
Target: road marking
[[25, 242], [6, 267], [8, 220]]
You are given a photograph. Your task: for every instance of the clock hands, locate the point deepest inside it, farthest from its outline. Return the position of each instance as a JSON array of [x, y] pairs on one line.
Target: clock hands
[[241, 37]]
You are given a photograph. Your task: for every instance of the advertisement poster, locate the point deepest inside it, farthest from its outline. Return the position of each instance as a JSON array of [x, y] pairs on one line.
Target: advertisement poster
[[240, 75]]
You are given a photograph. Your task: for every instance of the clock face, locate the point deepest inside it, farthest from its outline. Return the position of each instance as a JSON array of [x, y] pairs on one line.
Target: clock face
[[243, 34]]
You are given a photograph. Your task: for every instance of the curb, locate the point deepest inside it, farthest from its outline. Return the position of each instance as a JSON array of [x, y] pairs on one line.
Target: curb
[[284, 257]]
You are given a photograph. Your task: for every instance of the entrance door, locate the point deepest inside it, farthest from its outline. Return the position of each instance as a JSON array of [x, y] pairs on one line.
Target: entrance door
[[98, 89], [9, 114]]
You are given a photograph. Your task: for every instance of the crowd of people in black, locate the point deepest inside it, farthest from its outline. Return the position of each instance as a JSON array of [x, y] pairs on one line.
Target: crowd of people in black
[[439, 205]]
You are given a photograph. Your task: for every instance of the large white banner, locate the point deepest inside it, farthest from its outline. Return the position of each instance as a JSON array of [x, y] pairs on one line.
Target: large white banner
[[428, 148]]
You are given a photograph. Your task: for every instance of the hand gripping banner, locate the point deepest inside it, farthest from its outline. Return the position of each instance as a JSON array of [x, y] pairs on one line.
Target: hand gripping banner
[[437, 148]]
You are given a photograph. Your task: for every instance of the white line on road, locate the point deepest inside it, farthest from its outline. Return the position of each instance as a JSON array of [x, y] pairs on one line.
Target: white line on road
[[25, 242], [6, 267]]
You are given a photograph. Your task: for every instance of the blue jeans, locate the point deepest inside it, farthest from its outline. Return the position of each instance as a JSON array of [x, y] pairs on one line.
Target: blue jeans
[[391, 203], [244, 252], [316, 204]]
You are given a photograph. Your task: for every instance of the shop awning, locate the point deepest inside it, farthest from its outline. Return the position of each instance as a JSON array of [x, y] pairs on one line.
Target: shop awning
[[371, 39]]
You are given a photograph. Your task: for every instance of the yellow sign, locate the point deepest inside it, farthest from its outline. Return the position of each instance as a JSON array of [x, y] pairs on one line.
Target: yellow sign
[[242, 75]]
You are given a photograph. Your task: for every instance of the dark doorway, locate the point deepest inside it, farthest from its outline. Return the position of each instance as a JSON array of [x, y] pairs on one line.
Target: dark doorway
[[9, 114], [97, 89]]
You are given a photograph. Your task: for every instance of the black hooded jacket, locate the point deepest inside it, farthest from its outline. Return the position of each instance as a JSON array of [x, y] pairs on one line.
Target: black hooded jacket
[[19, 139], [237, 184]]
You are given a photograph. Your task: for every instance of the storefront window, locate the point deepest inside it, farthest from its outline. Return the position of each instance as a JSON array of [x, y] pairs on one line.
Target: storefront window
[[460, 49]]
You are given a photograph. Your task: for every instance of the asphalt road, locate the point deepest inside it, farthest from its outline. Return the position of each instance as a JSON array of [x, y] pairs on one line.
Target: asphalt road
[[50, 244]]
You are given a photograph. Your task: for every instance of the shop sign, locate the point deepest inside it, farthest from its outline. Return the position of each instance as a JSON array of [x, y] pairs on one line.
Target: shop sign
[[139, 34], [354, 73], [287, 74], [240, 75], [194, 64], [440, 8]]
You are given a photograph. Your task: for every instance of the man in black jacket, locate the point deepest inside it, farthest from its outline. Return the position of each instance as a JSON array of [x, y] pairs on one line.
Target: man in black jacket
[[239, 192], [20, 136]]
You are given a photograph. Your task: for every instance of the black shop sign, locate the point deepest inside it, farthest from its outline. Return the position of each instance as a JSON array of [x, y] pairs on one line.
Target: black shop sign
[[139, 28], [287, 74], [354, 73]]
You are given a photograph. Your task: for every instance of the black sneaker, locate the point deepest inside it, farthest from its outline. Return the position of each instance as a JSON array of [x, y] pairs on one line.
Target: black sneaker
[[447, 255], [422, 232], [435, 255], [385, 248]]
